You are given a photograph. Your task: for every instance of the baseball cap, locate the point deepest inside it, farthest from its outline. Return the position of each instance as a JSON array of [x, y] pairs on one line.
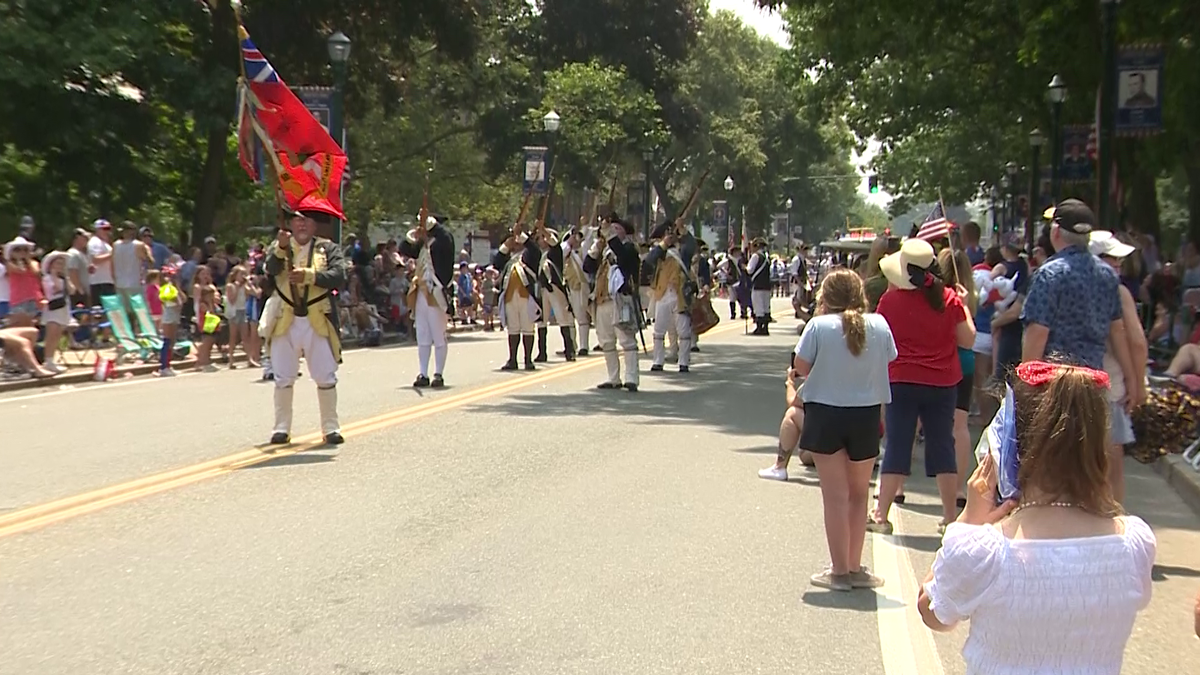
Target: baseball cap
[[101, 224], [1104, 243], [1074, 216]]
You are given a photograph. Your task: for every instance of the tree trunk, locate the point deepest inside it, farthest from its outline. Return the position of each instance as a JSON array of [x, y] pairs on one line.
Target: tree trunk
[[1191, 168], [221, 55], [1142, 209], [209, 195]]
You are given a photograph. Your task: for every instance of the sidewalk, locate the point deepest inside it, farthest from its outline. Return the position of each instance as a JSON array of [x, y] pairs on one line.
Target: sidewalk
[[80, 373]]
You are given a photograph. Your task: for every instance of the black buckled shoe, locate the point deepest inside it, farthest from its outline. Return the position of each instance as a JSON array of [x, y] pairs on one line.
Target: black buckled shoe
[[583, 352], [280, 438], [683, 369], [631, 387], [438, 382], [510, 365], [334, 438], [529, 365], [421, 382], [656, 369], [608, 385]]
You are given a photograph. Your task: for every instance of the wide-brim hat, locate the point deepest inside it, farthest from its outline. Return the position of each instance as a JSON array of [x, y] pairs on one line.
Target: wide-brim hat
[[910, 263], [430, 223], [19, 242], [51, 258]]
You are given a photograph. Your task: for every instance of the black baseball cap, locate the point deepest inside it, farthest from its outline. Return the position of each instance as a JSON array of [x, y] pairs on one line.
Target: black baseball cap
[[1074, 216]]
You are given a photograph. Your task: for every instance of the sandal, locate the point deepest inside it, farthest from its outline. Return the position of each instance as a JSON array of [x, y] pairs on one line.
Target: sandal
[[898, 500], [879, 526]]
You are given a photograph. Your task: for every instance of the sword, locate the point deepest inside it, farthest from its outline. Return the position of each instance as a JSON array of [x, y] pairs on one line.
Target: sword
[[637, 308]]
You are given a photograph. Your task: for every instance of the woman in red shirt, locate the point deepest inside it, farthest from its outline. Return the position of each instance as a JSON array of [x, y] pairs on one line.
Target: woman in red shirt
[[929, 324]]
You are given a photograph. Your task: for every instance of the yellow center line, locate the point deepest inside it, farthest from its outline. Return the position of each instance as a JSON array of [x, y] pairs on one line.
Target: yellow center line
[[95, 500]]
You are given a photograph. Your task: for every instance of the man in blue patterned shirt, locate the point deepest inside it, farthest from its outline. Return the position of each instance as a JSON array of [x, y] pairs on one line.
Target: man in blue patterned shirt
[[1073, 305]]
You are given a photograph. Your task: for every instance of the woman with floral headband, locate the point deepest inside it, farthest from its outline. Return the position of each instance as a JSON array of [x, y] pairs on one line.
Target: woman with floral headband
[[1053, 577]]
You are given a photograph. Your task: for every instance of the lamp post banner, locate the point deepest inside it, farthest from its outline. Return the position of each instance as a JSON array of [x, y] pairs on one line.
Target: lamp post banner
[[319, 101], [720, 214], [536, 179], [1076, 166], [1140, 90]]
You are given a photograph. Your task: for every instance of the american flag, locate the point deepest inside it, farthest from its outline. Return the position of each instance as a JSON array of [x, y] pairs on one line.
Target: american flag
[[935, 226]]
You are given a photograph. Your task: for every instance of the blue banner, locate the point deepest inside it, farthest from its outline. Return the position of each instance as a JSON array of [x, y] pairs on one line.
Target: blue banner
[[535, 166], [1139, 90], [319, 101], [720, 215], [1076, 166]]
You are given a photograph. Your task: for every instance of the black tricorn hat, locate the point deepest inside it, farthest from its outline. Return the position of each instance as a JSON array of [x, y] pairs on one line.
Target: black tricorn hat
[[625, 227], [661, 230]]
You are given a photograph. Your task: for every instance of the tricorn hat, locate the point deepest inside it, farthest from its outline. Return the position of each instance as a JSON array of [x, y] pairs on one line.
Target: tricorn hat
[[430, 223]]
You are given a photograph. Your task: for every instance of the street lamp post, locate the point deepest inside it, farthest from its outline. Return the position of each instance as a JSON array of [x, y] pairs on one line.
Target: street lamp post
[[1056, 93], [1108, 111], [994, 195], [788, 204], [550, 123], [338, 46], [728, 216], [1010, 170], [1006, 195], [1036, 140], [647, 158]]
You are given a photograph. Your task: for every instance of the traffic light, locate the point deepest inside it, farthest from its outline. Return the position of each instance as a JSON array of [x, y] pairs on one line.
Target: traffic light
[[873, 184]]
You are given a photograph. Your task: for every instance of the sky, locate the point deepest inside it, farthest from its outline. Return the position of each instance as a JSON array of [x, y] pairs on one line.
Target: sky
[[770, 25]]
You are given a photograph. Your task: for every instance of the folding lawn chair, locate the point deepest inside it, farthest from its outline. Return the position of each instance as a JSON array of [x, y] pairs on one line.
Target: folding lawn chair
[[122, 329], [80, 341], [149, 332]]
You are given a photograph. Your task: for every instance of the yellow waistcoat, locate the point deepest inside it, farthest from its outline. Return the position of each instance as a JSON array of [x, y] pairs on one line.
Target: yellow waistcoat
[[669, 276], [317, 311]]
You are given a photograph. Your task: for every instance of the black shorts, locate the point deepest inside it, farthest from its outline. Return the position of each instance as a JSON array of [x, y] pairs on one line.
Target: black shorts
[[965, 386], [828, 429]]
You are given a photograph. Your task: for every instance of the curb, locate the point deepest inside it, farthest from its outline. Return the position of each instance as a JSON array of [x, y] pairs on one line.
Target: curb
[[1182, 478], [149, 368]]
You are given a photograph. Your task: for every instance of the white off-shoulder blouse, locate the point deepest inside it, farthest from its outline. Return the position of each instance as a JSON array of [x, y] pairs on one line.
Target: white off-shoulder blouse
[[1063, 606]]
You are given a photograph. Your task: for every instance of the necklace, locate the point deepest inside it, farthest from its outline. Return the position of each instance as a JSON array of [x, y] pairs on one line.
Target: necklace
[[1061, 505]]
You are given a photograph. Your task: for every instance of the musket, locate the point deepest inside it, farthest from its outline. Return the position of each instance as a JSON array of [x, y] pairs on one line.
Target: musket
[[691, 202], [423, 214], [541, 221], [524, 208]]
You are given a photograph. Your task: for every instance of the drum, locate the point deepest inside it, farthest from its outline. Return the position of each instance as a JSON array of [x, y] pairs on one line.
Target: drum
[[704, 317]]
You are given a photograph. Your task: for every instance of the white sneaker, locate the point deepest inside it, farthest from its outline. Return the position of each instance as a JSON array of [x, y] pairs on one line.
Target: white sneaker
[[166, 373], [210, 368], [771, 473]]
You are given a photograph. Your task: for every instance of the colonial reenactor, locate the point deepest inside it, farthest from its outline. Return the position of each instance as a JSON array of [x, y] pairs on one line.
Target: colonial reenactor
[[429, 297], [518, 257], [731, 276], [759, 269], [673, 288], [613, 259], [553, 294], [300, 318], [578, 288]]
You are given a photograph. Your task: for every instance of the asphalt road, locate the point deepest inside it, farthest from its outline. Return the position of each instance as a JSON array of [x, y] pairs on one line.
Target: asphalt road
[[513, 523]]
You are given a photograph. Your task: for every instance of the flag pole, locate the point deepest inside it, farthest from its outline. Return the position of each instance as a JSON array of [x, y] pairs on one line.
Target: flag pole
[[950, 238]]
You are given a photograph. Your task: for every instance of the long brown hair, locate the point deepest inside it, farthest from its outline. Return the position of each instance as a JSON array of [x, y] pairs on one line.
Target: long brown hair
[[842, 293], [1062, 434], [957, 266]]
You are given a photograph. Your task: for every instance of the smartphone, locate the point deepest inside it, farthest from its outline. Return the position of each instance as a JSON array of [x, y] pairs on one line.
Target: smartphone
[[999, 440]]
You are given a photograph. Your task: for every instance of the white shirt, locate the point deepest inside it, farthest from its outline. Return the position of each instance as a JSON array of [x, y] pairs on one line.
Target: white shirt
[[126, 265], [103, 274], [1043, 605]]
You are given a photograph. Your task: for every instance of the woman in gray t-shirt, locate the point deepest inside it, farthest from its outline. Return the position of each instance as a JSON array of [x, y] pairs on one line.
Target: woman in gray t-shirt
[[844, 353]]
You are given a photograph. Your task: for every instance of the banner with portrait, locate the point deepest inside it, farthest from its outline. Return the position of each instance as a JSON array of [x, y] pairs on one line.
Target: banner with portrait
[[1139, 90], [1076, 166]]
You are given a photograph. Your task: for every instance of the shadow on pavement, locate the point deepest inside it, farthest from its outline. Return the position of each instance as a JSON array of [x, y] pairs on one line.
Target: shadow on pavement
[[749, 374], [920, 542], [1164, 572], [300, 459], [855, 601]]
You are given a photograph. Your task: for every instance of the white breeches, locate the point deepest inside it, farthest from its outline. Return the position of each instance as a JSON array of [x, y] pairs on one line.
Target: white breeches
[[430, 322], [555, 301], [300, 340], [519, 316], [667, 319], [760, 301], [579, 307], [609, 336]]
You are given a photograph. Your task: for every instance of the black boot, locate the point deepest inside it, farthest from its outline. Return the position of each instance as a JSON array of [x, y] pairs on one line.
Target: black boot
[[514, 341], [527, 342], [568, 344], [541, 343], [732, 311]]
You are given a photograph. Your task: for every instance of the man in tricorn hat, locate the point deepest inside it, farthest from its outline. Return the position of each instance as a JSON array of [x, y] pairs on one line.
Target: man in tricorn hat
[[432, 247], [553, 295], [614, 259], [673, 288], [578, 286], [759, 269], [306, 270]]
